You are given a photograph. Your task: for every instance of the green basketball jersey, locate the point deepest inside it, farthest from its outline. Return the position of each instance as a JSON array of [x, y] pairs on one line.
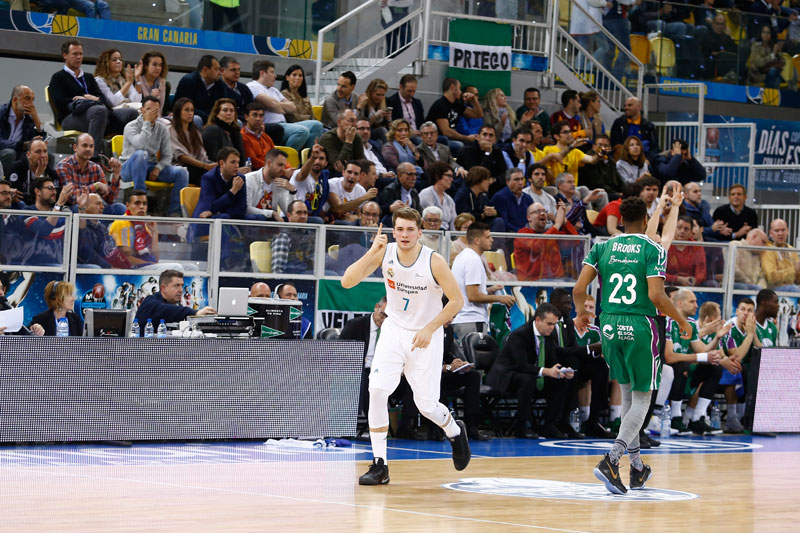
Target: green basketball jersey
[[590, 336], [767, 334], [680, 345], [623, 264], [734, 338]]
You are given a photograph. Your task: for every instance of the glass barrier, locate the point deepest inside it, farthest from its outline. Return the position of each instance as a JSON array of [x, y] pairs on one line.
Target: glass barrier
[[765, 267], [35, 239], [143, 244], [344, 245], [276, 248], [696, 264], [678, 39], [280, 19]]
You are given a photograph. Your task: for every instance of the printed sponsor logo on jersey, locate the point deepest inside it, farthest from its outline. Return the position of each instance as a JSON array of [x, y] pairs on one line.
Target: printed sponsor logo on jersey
[[608, 331], [626, 248], [624, 333], [391, 284], [390, 272], [562, 490], [614, 259]]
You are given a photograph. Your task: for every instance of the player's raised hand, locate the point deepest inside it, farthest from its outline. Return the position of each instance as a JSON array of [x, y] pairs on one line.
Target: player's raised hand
[[584, 319], [380, 242]]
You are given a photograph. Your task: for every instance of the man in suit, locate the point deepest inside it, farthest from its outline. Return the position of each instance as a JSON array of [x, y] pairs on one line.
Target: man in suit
[[522, 368], [591, 370], [434, 152], [404, 105], [366, 328]]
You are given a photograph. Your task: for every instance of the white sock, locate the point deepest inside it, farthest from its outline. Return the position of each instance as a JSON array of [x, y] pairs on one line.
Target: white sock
[[688, 414], [667, 377], [378, 440], [676, 407], [701, 409], [616, 411], [584, 413], [740, 410]]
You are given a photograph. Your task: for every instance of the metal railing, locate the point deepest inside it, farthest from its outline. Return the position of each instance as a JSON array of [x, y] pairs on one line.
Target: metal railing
[[527, 37]]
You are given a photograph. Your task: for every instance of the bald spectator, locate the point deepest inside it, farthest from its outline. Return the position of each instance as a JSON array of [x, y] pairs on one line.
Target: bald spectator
[[260, 289], [95, 245], [400, 193], [344, 97], [19, 123], [718, 51], [540, 259], [736, 215], [781, 269], [749, 274], [35, 163], [686, 265], [343, 143], [632, 123], [81, 172]]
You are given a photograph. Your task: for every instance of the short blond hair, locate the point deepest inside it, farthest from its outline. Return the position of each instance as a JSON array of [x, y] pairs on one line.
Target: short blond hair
[[56, 292], [707, 310], [408, 213]]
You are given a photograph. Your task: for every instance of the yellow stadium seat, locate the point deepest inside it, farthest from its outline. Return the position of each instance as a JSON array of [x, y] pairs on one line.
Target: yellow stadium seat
[[261, 255], [663, 51], [304, 155], [56, 123], [189, 198], [116, 145], [734, 28], [294, 159], [796, 61], [591, 214], [496, 260], [333, 251], [640, 47], [787, 72], [117, 142], [317, 109]]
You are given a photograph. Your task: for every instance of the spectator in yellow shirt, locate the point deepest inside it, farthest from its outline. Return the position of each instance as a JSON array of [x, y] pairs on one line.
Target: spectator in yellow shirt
[[568, 158]]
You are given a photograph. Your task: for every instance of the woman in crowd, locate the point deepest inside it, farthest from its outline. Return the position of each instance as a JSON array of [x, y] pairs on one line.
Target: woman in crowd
[[221, 129], [589, 115], [294, 89], [632, 164], [466, 125], [461, 223], [187, 143], [399, 148], [373, 109], [499, 115], [765, 62], [60, 299], [153, 79], [117, 81], [441, 177]]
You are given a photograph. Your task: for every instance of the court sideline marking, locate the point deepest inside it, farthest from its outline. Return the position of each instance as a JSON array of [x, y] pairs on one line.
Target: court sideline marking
[[294, 498]]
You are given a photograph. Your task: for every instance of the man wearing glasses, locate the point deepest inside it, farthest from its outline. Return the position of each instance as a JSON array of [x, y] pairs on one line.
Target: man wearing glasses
[[571, 158], [46, 235], [433, 152]]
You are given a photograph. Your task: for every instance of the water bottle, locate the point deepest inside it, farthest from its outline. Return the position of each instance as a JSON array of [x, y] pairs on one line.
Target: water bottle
[[62, 328], [715, 417], [575, 420], [135, 332], [148, 328], [249, 163], [666, 421], [162, 330]]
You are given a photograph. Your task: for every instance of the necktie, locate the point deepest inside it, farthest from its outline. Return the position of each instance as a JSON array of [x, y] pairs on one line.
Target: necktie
[[540, 350], [560, 333]]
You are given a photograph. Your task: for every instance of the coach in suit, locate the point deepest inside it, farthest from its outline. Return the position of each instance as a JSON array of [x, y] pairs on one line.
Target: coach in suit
[[404, 105], [588, 364], [366, 328], [528, 366]]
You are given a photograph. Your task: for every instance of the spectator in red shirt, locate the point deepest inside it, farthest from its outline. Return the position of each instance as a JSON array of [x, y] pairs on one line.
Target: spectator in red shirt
[[538, 259], [87, 175], [686, 265], [255, 140]]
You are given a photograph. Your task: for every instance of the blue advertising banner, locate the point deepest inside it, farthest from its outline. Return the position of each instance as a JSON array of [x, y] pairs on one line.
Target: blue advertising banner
[[744, 94]]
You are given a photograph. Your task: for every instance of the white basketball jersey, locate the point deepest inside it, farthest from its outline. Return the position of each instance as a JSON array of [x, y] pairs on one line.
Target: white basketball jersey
[[413, 297]]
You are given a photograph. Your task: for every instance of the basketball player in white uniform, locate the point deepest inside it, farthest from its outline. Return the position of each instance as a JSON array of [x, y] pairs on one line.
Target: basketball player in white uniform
[[411, 339]]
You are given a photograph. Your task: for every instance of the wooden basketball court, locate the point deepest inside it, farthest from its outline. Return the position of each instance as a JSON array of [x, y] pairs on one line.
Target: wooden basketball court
[[510, 485]]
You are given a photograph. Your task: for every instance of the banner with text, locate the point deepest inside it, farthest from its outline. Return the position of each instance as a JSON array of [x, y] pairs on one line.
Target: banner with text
[[336, 305], [480, 54]]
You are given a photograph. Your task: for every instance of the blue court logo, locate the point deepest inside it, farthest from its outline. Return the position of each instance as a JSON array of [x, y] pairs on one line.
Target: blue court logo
[[562, 490], [670, 445]]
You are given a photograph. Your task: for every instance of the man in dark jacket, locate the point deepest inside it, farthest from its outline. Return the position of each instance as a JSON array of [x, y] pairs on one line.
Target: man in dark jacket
[[528, 366], [632, 123], [203, 87], [404, 105], [165, 303], [78, 101], [400, 193], [678, 164], [35, 163], [22, 112], [482, 152]]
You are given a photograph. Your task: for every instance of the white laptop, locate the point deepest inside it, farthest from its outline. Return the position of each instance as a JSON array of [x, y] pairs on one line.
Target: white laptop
[[232, 301]]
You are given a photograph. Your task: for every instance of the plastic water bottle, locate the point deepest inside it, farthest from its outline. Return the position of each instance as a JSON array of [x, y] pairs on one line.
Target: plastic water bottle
[[248, 163], [716, 422], [62, 328], [575, 420], [135, 331], [162, 330], [666, 421], [148, 328]]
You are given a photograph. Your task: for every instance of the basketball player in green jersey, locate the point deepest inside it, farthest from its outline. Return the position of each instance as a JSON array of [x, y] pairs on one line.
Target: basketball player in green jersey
[[632, 269]]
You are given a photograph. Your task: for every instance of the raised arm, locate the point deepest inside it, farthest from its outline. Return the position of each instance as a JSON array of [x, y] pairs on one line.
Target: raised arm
[[370, 261]]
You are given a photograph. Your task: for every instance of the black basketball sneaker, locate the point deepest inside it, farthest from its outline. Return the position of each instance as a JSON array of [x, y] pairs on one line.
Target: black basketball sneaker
[[608, 473], [378, 474], [461, 451], [640, 477]]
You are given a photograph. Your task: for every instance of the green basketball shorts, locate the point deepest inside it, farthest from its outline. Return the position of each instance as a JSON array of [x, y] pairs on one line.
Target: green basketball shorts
[[630, 347]]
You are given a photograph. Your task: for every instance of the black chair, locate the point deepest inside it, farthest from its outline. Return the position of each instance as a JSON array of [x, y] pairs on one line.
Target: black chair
[[328, 334], [482, 350]]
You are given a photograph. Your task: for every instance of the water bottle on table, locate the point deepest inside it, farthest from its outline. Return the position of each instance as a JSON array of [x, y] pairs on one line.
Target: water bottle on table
[[716, 417], [135, 332], [666, 421], [148, 328], [162, 329], [575, 420], [62, 328]]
